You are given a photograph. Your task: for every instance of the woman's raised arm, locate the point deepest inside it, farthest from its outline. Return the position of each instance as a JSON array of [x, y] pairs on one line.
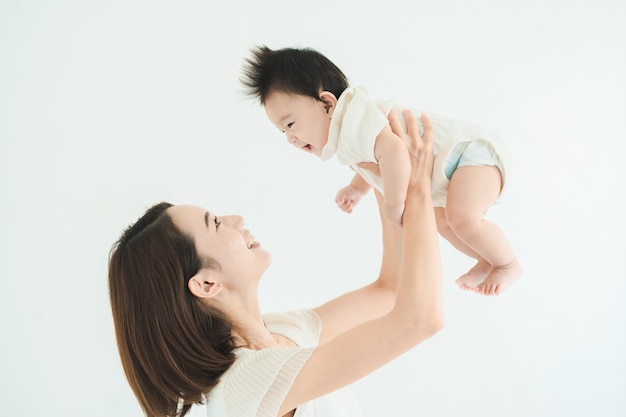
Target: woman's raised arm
[[373, 300], [377, 298], [418, 310]]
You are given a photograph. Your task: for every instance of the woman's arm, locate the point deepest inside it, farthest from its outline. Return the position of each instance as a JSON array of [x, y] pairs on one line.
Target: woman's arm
[[418, 310], [373, 300]]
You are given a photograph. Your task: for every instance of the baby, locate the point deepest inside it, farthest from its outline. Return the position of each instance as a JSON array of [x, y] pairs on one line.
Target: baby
[[307, 97]]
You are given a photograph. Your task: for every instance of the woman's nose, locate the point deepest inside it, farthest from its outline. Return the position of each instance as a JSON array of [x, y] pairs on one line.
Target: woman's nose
[[235, 221]]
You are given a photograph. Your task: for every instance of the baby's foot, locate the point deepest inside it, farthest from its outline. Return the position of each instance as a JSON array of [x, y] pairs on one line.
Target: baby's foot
[[472, 278], [500, 278]]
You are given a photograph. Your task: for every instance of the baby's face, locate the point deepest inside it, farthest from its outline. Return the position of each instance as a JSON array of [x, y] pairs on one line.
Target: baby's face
[[304, 120]]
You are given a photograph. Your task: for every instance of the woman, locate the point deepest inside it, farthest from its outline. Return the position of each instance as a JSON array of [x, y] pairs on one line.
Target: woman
[[183, 287]]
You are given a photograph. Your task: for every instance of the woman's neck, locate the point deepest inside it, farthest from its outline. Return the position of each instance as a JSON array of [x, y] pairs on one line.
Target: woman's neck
[[252, 334], [248, 328], [247, 325]]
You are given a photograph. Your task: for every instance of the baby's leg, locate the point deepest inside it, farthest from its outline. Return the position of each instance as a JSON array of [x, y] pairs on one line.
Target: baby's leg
[[472, 190], [445, 230], [477, 274]]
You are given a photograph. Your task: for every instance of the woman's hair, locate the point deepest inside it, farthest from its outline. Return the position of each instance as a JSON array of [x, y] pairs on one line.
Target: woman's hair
[[173, 347], [290, 70]]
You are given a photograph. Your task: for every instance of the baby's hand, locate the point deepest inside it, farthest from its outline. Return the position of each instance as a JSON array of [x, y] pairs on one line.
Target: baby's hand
[[348, 197]]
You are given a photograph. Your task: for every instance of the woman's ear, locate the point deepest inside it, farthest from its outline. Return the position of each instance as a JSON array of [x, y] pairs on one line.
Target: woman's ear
[[203, 285], [329, 100]]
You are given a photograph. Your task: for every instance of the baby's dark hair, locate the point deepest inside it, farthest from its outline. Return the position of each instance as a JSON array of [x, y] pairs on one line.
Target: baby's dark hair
[[290, 70]]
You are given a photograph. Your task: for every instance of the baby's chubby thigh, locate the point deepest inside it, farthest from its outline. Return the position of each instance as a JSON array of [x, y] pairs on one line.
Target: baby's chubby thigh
[[474, 153]]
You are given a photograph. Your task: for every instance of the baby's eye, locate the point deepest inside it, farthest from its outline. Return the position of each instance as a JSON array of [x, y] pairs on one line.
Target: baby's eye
[[217, 223], [289, 125]]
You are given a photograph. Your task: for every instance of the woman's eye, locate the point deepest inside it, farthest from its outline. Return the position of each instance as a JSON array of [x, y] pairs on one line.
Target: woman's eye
[[217, 223]]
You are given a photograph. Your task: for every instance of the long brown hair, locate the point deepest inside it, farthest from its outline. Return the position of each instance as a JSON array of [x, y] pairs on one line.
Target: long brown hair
[[173, 347]]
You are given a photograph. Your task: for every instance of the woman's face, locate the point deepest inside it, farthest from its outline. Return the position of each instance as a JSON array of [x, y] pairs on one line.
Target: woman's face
[[224, 239]]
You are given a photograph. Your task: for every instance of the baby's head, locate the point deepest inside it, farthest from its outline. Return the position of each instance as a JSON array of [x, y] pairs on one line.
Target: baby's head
[[303, 72], [298, 88]]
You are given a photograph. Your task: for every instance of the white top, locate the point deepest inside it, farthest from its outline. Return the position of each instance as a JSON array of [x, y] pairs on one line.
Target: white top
[[258, 381], [358, 119]]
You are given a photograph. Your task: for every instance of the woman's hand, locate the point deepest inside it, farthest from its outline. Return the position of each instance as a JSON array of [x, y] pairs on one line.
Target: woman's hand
[[420, 146]]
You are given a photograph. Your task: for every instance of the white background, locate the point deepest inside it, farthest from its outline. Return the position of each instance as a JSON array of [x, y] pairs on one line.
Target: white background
[[108, 107]]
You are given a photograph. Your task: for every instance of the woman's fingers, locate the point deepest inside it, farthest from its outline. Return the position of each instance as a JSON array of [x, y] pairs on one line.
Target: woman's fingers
[[420, 147], [395, 123], [412, 128], [427, 135]]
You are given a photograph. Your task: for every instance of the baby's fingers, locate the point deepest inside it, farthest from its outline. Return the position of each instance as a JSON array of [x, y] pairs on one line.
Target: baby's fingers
[[343, 204]]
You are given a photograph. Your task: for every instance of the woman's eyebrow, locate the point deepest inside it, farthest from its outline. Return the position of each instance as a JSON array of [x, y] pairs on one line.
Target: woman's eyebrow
[[206, 219]]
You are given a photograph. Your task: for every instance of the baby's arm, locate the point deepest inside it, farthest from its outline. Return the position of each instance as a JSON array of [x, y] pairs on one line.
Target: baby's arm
[[395, 169], [351, 194]]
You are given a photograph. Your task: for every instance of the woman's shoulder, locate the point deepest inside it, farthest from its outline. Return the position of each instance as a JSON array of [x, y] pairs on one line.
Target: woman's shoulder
[[302, 326], [257, 381]]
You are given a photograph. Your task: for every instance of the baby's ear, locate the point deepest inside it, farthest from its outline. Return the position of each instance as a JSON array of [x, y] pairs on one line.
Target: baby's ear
[[329, 100]]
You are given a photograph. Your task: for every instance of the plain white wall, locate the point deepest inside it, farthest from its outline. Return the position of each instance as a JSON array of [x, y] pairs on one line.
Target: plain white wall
[[109, 107]]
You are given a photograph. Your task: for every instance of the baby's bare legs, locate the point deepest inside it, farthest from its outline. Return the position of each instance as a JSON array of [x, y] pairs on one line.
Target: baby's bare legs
[[478, 273], [472, 190]]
